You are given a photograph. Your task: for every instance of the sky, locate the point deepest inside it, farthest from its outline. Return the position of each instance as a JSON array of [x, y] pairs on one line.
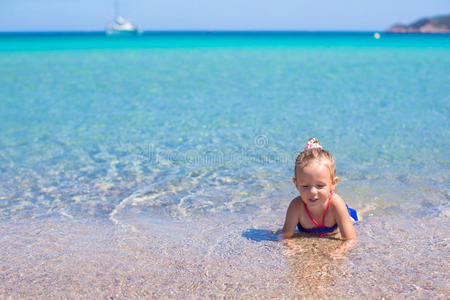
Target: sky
[[323, 15]]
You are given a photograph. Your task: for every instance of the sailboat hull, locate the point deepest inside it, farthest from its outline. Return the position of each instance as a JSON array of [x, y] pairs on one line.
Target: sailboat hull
[[121, 26], [121, 32]]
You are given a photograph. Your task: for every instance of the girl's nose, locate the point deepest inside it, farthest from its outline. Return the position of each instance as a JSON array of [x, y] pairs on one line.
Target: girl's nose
[[313, 190]]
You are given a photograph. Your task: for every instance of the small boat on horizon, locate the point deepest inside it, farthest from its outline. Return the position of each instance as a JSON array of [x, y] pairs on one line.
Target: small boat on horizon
[[121, 26]]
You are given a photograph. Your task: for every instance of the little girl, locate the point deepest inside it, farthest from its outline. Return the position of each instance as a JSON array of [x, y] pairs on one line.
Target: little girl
[[318, 210]]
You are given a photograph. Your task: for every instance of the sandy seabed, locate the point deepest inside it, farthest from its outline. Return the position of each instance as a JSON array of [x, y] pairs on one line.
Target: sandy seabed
[[236, 257]]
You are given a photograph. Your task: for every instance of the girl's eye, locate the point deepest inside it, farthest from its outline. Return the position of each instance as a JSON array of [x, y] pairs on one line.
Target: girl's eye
[[320, 186], [305, 186]]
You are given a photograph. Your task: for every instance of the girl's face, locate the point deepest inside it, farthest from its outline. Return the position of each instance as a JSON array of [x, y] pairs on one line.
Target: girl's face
[[315, 183]]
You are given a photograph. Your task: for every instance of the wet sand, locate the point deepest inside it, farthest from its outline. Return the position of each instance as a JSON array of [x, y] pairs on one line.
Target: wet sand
[[154, 259], [235, 256]]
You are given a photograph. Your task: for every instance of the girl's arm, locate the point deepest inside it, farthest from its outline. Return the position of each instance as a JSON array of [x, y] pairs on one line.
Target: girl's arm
[[346, 228], [292, 217]]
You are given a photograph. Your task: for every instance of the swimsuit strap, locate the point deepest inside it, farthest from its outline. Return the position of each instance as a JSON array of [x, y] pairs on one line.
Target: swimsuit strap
[[323, 217]]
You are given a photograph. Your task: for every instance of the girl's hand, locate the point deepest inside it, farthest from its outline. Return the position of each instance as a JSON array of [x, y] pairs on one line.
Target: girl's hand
[[292, 248], [339, 253]]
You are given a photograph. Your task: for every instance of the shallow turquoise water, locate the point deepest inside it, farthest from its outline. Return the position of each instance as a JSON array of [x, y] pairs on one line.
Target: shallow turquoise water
[[192, 126]]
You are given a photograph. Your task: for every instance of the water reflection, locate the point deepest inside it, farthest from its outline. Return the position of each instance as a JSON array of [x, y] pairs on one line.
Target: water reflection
[[312, 264]]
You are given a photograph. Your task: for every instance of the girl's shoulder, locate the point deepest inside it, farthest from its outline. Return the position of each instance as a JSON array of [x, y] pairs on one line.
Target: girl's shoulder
[[337, 204], [296, 205], [336, 200], [297, 202]]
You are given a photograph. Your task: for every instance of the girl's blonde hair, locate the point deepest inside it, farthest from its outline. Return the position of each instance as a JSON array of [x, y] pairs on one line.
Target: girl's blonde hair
[[314, 152]]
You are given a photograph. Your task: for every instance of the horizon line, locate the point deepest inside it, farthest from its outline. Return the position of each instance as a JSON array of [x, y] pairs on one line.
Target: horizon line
[[208, 31]]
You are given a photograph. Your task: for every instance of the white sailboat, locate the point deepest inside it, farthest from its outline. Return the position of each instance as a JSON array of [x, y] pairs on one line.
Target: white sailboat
[[120, 25]]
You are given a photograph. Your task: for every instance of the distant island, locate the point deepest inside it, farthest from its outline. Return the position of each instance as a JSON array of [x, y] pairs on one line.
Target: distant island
[[440, 24]]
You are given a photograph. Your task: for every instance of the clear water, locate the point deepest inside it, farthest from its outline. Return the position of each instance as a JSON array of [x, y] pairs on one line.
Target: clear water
[[154, 166]]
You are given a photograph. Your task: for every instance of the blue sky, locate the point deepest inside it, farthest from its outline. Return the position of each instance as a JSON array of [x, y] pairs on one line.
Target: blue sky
[[90, 15]]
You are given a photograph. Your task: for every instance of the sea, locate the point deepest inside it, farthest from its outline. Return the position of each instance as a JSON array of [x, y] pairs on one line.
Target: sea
[[160, 165]]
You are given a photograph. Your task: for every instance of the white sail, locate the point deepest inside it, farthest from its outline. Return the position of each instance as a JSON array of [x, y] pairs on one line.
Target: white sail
[[120, 26]]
